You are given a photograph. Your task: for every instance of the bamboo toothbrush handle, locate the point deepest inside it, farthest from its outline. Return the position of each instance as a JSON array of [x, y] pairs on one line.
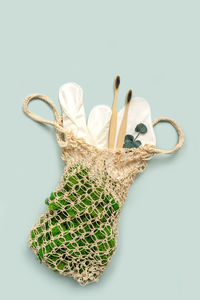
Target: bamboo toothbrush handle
[[113, 119], [122, 130], [113, 127]]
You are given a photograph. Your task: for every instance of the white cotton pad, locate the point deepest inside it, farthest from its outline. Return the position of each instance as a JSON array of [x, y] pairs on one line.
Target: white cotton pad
[[139, 112], [71, 101], [99, 123]]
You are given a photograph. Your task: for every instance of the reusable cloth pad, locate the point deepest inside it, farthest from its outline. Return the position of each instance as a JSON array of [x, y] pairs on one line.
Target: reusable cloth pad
[[96, 130], [78, 233]]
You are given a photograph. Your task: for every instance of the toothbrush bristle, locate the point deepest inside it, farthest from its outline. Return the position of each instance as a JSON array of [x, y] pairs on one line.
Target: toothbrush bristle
[[129, 96], [117, 82]]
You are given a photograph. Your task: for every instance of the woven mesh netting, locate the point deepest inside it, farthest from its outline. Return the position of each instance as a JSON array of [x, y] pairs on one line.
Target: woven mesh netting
[[77, 235]]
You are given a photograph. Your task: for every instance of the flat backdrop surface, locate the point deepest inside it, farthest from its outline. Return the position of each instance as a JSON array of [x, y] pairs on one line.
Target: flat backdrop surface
[[154, 46]]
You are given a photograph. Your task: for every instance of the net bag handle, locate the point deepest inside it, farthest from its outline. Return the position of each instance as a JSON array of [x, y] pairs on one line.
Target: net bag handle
[[58, 119], [179, 132]]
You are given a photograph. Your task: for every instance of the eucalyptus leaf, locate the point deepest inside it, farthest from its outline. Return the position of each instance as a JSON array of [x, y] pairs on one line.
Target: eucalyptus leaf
[[136, 144], [128, 137], [128, 144], [141, 128]]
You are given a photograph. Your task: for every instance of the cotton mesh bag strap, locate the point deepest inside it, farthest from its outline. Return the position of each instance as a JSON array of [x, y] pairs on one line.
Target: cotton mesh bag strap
[[179, 132], [58, 119]]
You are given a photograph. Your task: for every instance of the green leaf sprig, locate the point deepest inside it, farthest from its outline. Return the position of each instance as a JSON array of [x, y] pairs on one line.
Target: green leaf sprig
[[130, 141]]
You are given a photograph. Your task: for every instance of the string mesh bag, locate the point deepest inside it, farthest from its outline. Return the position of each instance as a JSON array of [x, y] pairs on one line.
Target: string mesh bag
[[77, 236]]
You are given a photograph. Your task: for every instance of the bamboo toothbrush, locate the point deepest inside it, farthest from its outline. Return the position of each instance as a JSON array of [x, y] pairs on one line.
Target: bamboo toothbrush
[[113, 119], [122, 130]]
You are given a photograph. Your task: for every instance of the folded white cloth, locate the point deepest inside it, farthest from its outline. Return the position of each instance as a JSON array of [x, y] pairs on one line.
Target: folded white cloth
[[99, 123], [71, 101]]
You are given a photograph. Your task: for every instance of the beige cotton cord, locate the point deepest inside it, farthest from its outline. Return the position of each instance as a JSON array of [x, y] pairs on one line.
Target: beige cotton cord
[[57, 124], [179, 132]]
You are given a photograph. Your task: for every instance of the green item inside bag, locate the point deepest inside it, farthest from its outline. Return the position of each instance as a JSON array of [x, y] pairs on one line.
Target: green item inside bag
[[77, 209]]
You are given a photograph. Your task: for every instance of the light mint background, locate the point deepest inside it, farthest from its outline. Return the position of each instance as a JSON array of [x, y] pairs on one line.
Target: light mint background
[[154, 46]]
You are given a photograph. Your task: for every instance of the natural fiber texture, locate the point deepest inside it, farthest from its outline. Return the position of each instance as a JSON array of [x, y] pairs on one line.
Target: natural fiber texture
[[179, 132], [77, 235]]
